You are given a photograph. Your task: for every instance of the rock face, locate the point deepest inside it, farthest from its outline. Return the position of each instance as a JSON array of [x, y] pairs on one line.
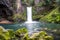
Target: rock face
[[4, 21], [5, 9], [5, 2]]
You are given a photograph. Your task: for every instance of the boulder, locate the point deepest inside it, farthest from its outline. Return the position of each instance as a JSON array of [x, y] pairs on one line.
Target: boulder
[[2, 29]]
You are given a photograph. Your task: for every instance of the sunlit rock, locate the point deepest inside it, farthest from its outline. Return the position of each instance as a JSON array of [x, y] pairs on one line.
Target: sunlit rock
[[49, 37], [3, 29], [46, 28], [55, 30], [34, 35], [4, 21]]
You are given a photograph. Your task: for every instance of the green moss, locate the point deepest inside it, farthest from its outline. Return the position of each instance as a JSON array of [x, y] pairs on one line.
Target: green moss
[[53, 16], [48, 38], [19, 17], [22, 34]]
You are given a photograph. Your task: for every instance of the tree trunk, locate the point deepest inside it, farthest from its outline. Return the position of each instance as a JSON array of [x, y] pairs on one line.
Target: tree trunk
[[19, 6]]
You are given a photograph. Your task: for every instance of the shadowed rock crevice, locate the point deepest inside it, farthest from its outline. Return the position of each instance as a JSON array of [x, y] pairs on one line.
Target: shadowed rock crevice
[[5, 11]]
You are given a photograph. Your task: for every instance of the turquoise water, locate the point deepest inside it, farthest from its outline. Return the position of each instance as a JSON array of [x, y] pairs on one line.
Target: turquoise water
[[32, 26], [35, 25]]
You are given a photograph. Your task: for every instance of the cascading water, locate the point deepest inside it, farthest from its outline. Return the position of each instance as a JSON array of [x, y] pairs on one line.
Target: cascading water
[[29, 23], [29, 14]]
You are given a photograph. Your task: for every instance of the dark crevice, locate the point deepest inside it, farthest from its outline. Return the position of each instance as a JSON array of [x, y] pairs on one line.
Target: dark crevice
[[5, 12]]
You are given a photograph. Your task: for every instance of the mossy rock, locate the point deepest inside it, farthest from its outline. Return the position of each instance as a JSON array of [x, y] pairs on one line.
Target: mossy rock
[[52, 17]]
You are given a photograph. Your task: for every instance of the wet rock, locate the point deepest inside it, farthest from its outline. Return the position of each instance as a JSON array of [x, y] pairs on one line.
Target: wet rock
[[3, 29], [4, 21], [34, 35], [38, 29], [55, 30]]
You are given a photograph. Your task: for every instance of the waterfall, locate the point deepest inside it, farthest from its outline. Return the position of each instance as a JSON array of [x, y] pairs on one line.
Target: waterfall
[[29, 14], [30, 24]]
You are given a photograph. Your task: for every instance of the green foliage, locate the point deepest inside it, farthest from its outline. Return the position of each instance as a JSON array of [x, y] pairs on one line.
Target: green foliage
[[58, 2], [42, 35], [6, 34], [11, 33], [39, 11], [48, 2], [21, 31], [48, 38], [53, 16], [28, 2], [40, 8], [40, 4], [22, 34], [19, 17]]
